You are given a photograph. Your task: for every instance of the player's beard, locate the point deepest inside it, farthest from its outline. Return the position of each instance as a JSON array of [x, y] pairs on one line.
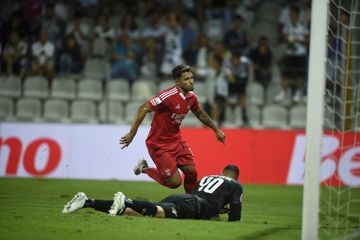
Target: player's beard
[[187, 89]]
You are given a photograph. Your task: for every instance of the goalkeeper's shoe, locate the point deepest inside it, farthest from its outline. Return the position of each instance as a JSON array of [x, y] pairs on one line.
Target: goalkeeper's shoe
[[118, 207], [76, 203], [140, 167]]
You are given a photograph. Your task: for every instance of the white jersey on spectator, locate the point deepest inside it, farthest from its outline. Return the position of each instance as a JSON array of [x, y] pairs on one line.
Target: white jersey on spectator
[[173, 50], [43, 51]]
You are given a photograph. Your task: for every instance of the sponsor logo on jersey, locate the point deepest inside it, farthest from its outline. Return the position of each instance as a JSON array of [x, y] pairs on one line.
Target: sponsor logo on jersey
[[177, 118], [167, 172], [177, 106]]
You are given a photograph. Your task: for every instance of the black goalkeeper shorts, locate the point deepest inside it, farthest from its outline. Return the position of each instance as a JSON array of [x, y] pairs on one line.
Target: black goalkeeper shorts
[[184, 206]]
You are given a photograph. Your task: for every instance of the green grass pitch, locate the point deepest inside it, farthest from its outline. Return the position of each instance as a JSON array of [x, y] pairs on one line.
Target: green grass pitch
[[31, 209]]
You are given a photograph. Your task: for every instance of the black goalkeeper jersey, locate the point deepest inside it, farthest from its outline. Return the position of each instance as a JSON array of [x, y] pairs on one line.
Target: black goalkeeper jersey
[[219, 191]]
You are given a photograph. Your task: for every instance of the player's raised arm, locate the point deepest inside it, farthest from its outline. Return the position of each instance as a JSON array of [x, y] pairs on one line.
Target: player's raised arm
[[205, 119], [139, 117]]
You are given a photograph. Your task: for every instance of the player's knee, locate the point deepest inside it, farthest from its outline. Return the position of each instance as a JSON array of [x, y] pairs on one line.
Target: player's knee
[[174, 184]]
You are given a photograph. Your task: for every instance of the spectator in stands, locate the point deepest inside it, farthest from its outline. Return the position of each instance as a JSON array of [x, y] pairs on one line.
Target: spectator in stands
[[43, 56], [238, 78], [15, 23], [296, 36], [61, 10], [202, 55], [129, 26], [236, 39], [218, 86], [217, 50], [88, 7], [70, 58], [217, 19], [285, 15], [188, 41], [122, 58], [261, 57], [247, 9], [149, 59], [32, 11], [172, 46], [15, 56], [80, 31], [155, 29], [53, 26], [103, 29]]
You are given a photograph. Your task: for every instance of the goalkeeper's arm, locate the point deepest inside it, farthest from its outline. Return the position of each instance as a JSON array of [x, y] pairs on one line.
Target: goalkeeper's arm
[[235, 212]]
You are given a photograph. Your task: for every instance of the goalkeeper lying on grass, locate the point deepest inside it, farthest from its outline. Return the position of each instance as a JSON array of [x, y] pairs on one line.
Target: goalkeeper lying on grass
[[208, 199]]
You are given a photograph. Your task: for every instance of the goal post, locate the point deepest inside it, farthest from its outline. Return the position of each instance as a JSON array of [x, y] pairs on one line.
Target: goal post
[[314, 119], [331, 193]]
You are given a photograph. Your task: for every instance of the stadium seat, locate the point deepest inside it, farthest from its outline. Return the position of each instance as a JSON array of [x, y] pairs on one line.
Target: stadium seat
[[83, 111], [275, 116], [28, 109], [131, 109], [238, 121], [329, 118], [90, 90], [116, 112], [36, 87], [6, 109], [99, 47], [63, 88], [56, 110], [96, 68], [229, 117], [10, 87], [276, 77], [255, 94], [142, 91], [201, 91], [298, 116], [272, 91], [233, 117], [254, 114], [118, 89]]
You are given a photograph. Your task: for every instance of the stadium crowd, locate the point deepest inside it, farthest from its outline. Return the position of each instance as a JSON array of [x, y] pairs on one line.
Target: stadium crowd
[[230, 44]]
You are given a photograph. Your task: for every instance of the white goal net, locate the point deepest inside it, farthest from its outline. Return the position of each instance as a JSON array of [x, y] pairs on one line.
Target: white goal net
[[340, 167]]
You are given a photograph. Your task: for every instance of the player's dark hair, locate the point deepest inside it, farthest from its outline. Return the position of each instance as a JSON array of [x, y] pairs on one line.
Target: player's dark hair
[[179, 69], [232, 168]]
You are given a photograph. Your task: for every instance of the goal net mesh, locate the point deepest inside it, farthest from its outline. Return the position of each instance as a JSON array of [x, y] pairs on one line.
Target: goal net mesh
[[339, 194]]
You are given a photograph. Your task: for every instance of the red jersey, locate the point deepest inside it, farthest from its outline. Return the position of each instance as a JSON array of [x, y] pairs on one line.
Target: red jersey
[[170, 108]]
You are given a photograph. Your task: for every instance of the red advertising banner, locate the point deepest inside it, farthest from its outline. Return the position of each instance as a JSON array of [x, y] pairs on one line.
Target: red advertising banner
[[263, 156], [275, 156]]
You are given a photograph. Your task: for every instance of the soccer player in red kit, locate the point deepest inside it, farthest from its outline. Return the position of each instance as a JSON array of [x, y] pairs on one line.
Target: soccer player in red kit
[[165, 145]]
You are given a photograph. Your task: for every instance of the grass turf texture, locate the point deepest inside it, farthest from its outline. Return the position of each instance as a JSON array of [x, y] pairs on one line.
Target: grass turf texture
[[31, 209]]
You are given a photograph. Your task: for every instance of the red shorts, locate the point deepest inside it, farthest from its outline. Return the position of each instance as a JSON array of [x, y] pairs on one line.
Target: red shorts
[[168, 156]]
